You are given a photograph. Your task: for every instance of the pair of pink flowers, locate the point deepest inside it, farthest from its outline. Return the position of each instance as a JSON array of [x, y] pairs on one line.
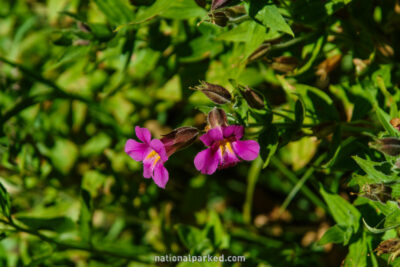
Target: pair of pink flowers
[[225, 149]]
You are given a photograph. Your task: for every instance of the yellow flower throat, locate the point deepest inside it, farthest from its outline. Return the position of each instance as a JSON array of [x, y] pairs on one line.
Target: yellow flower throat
[[153, 155]]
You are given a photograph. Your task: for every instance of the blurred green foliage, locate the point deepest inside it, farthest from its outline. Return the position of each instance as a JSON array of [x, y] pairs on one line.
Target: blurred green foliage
[[76, 76]]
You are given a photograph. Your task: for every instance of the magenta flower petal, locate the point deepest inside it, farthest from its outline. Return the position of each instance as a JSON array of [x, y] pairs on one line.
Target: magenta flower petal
[[143, 134], [137, 151], [207, 161], [234, 130], [147, 168], [247, 150], [161, 175], [159, 147], [211, 136]]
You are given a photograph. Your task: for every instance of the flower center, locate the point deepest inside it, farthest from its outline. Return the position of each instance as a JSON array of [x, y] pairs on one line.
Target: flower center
[[153, 155], [225, 145]]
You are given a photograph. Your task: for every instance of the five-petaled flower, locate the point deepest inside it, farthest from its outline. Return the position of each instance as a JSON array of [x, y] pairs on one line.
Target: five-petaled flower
[[224, 149], [153, 154]]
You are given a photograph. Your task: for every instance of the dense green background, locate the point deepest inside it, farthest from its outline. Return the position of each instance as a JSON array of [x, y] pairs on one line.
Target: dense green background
[[76, 77]]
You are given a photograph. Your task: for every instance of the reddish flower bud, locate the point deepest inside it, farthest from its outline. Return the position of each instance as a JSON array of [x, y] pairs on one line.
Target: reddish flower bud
[[388, 145], [179, 139], [217, 118], [215, 93], [253, 99]]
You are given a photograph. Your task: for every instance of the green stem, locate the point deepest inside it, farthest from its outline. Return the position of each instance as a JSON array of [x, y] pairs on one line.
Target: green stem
[[240, 19], [300, 184], [252, 178], [30, 73], [293, 178], [77, 246]]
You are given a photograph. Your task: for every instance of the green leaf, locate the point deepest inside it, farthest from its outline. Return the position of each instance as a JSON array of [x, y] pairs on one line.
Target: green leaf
[[96, 145], [342, 211], [334, 5], [358, 252], [270, 17], [117, 11], [64, 155], [183, 9], [240, 33], [56, 224], [194, 239], [317, 103], [215, 232], [5, 203], [93, 181], [148, 13], [336, 234], [374, 175], [384, 119]]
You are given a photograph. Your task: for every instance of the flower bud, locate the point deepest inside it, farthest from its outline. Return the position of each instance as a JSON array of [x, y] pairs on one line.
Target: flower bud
[[253, 99], [219, 3], [179, 139], [388, 145], [215, 93], [395, 122], [391, 246], [217, 118]]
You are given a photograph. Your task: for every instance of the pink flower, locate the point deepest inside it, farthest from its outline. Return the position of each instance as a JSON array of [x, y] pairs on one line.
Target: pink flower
[[224, 149], [153, 154]]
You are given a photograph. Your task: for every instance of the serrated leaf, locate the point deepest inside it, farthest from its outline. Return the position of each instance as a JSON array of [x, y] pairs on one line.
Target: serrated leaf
[[270, 17], [369, 167]]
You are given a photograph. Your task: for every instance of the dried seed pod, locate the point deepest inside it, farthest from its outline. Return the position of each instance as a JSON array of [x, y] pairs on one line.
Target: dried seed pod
[[219, 18], [179, 139], [387, 145], [217, 118], [327, 66], [253, 99], [216, 93], [377, 192], [284, 64], [391, 246], [395, 122], [219, 3]]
